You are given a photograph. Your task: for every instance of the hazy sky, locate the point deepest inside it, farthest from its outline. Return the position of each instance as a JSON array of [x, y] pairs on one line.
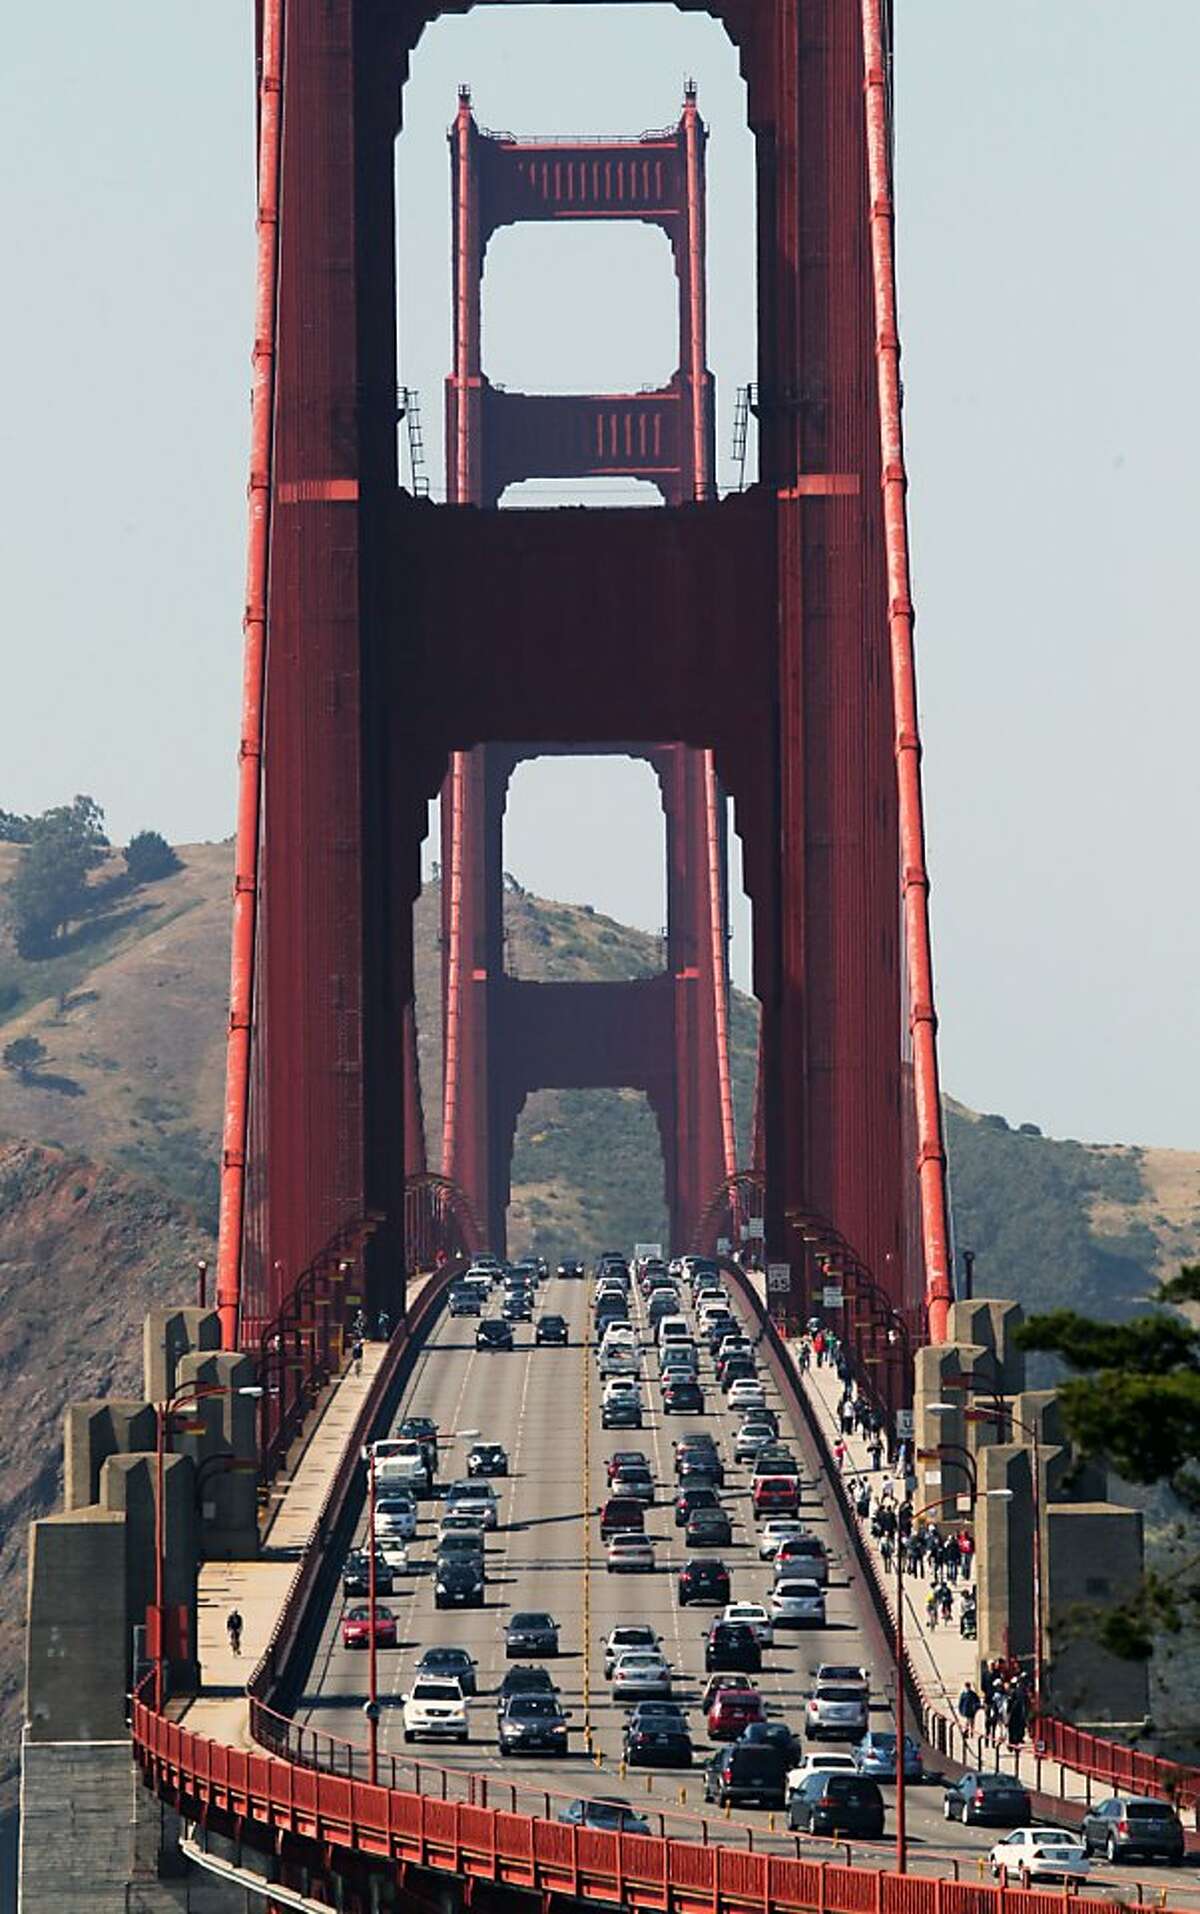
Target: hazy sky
[[1049, 287]]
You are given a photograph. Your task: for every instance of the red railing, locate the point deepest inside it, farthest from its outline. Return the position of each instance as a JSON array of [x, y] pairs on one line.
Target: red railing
[[1123, 1768], [439, 1221]]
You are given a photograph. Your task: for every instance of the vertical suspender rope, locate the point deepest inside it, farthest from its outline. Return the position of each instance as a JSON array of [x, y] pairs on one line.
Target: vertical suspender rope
[[235, 1126], [931, 1153], [716, 926], [455, 979]]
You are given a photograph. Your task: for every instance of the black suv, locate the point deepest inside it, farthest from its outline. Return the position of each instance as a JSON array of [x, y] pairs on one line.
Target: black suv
[[493, 1335], [732, 1645], [708, 1528], [746, 1772], [487, 1458], [532, 1724], [356, 1575], [524, 1681], [699, 1496], [531, 1632], [458, 1582], [552, 1329], [703, 1580], [826, 1803], [1132, 1824]]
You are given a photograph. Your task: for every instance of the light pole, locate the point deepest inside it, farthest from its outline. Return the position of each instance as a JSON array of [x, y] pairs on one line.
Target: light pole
[[901, 1798]]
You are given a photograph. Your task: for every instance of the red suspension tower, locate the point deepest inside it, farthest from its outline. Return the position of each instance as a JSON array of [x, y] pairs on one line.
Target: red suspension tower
[[504, 1037]]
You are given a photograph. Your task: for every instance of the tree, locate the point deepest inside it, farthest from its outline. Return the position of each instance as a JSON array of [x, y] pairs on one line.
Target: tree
[[148, 857], [50, 885], [15, 829], [25, 1055], [1134, 1402]]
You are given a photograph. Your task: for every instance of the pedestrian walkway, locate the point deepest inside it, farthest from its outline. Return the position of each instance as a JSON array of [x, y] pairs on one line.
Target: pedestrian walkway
[[942, 1659], [258, 1589]]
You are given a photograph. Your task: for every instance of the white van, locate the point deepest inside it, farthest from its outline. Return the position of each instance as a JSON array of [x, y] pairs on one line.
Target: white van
[[674, 1329]]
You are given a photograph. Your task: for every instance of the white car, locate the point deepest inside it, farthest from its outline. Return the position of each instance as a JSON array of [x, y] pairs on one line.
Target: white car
[[630, 1554], [626, 1636], [395, 1515], [624, 1389], [436, 1710], [750, 1438], [620, 1359], [797, 1604], [394, 1552], [640, 1672], [779, 1528], [820, 1764], [756, 1618], [1040, 1854], [747, 1394]]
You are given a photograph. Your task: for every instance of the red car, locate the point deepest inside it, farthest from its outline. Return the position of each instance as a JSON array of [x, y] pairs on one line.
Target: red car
[[776, 1495], [356, 1626], [732, 1710]]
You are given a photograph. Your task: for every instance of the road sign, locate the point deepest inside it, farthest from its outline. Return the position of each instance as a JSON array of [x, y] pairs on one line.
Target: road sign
[[904, 1425], [832, 1296], [641, 1250], [755, 1230], [723, 1246], [934, 1477], [779, 1279]]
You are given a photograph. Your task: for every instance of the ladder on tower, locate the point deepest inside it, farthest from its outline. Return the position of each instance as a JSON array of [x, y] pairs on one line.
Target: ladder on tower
[[409, 409], [747, 396]]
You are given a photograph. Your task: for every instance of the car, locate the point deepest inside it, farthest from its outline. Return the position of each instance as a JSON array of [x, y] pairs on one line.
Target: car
[[622, 1512], [656, 1736], [796, 1603], [461, 1545], [640, 1671], [434, 1709], [699, 1451], [837, 1710], [530, 1632], [621, 1412], [776, 1494], [775, 1734], [780, 1528], [458, 1582], [465, 1300], [731, 1711], [532, 1724], [687, 1501], [476, 1497], [755, 1616], [356, 1626], [750, 1438], [395, 1514], [523, 1680], [462, 1522], [802, 1556], [570, 1268], [715, 1683], [703, 1580], [423, 1429], [683, 1398], [850, 1674], [843, 1804], [636, 1482], [626, 1459], [827, 1762], [517, 1307], [626, 1388], [708, 1528], [875, 1755], [609, 1815], [450, 1664], [625, 1636], [1039, 1854], [747, 1395], [395, 1553], [776, 1459], [977, 1798], [492, 1333], [629, 1553], [1132, 1824], [746, 1773], [732, 1645], [552, 1329], [356, 1574], [487, 1458], [700, 1471]]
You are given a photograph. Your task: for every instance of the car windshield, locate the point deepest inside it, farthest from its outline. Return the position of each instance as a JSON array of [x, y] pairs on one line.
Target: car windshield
[[796, 1591], [1148, 1811], [531, 1620], [437, 1691], [533, 1707], [839, 1694], [445, 1658], [996, 1784], [848, 1787], [635, 1635]]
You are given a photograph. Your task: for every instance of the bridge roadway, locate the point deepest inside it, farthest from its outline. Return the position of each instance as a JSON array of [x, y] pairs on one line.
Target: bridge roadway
[[543, 1404]]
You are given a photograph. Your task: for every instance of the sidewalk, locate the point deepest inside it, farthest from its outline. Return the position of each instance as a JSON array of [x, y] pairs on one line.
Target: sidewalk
[[942, 1658], [258, 1589]]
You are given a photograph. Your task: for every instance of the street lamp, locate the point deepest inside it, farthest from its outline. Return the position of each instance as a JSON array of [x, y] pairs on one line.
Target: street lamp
[[186, 1398], [901, 1798]]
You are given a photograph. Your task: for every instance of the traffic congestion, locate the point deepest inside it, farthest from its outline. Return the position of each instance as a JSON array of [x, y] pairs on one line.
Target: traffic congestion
[[604, 1562]]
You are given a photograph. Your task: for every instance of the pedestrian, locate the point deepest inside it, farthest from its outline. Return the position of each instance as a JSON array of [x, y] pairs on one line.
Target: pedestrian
[[945, 1602], [970, 1702], [887, 1490], [804, 1356], [863, 1504], [875, 1451], [356, 1355], [839, 1453], [887, 1549], [931, 1609], [233, 1628]]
